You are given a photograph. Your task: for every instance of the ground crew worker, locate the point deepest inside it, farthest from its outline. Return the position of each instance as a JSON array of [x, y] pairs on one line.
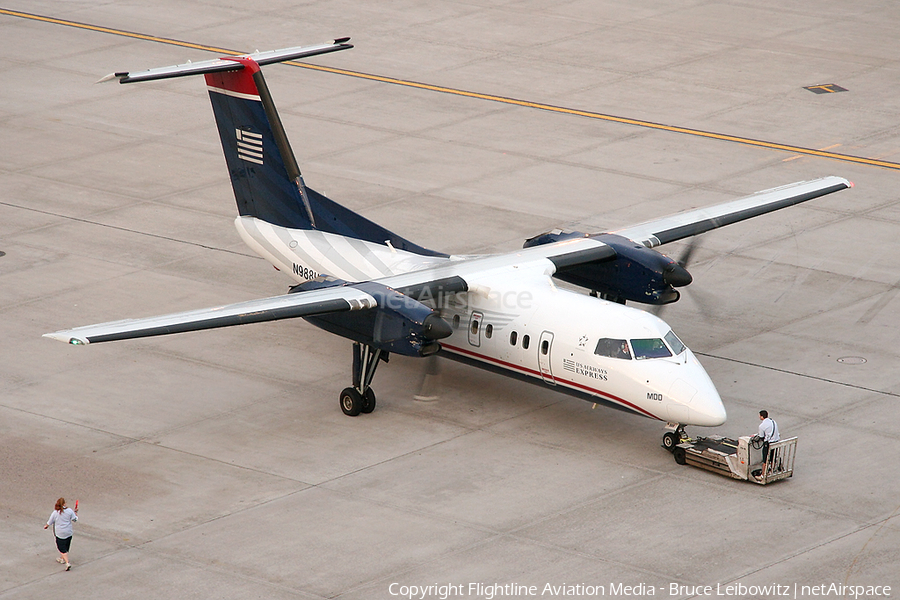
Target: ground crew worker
[[768, 433]]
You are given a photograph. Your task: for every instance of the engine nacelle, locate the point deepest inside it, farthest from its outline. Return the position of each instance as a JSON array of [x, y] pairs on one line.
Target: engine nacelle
[[636, 273], [398, 324]]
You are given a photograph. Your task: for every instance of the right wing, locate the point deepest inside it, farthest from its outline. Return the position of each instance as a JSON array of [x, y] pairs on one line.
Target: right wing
[[669, 229]]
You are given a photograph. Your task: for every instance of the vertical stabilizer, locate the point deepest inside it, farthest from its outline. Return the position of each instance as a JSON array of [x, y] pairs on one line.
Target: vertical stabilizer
[[262, 167], [264, 174]]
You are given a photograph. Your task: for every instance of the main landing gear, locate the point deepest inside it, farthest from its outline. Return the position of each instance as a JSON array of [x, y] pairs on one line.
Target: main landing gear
[[360, 398]]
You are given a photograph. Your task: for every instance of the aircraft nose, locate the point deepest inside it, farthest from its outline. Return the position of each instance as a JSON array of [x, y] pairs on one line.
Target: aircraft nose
[[697, 402], [708, 410]]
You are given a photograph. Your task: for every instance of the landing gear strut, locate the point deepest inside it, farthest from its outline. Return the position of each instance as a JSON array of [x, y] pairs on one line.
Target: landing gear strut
[[360, 398], [673, 436]]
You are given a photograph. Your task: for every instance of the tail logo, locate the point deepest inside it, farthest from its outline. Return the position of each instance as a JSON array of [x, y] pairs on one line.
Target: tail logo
[[249, 146]]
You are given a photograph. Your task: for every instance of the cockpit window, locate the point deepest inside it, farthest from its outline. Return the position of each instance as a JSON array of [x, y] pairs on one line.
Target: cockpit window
[[612, 348], [650, 348], [674, 343]]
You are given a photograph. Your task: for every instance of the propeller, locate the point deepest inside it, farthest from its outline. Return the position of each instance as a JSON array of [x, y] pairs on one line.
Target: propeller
[[436, 328], [430, 380], [677, 275]]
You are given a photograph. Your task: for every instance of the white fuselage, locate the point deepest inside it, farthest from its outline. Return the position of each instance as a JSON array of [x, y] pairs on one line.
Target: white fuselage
[[514, 319], [554, 341]]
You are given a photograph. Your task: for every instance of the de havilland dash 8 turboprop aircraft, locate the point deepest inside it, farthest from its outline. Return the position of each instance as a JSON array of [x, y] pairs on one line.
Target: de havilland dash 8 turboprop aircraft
[[502, 312]]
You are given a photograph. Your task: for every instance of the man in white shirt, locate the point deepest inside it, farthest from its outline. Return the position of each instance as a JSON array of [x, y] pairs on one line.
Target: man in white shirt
[[768, 433], [768, 428]]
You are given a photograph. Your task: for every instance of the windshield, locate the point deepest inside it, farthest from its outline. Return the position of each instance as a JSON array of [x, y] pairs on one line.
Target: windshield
[[650, 348], [612, 348], [674, 343]]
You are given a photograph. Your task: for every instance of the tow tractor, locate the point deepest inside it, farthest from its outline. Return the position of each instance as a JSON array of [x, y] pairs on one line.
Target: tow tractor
[[739, 459]]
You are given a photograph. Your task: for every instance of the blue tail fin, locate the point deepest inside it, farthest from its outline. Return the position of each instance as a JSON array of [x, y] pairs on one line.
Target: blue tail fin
[[264, 174]]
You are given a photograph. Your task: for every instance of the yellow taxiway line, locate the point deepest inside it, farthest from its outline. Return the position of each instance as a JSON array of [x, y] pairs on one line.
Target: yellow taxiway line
[[489, 97]]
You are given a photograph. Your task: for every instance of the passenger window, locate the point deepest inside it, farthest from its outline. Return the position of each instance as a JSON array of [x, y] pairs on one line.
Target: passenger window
[[545, 347], [455, 321], [489, 331], [474, 327], [612, 348], [525, 340], [650, 348], [512, 338]]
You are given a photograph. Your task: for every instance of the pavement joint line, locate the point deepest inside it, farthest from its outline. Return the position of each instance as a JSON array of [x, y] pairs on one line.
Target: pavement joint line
[[532, 541], [828, 421], [306, 485], [436, 444], [511, 534], [881, 302], [476, 95], [126, 229], [786, 371], [490, 531], [715, 482], [881, 526], [221, 568], [126, 440], [654, 473], [164, 352], [881, 522]]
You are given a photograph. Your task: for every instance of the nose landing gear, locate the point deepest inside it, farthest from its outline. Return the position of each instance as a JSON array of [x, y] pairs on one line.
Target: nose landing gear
[[673, 436], [360, 398]]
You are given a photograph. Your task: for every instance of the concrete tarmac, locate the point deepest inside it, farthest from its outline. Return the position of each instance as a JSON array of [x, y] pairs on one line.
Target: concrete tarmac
[[218, 464]]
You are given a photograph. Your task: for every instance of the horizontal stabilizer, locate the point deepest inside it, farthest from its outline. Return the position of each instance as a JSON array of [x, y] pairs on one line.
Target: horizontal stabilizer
[[218, 65]]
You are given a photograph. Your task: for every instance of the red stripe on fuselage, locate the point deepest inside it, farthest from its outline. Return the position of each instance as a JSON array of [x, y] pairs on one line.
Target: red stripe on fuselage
[[536, 374]]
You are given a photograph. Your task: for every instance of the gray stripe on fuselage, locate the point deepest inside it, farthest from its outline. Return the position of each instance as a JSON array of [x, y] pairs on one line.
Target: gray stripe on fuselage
[[279, 232], [366, 252], [324, 246]]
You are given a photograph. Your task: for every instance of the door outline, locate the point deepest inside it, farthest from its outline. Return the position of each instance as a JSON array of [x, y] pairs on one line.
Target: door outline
[[544, 349], [475, 329]]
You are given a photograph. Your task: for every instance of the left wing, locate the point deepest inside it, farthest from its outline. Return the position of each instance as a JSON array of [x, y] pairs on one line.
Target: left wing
[[694, 222], [448, 277], [289, 306]]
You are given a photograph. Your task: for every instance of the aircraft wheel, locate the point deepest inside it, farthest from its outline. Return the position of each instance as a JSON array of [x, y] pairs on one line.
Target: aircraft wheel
[[351, 402], [679, 456], [670, 440], [368, 402]]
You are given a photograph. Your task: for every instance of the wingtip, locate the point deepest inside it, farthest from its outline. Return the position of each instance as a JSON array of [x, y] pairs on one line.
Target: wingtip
[[118, 75], [66, 337]]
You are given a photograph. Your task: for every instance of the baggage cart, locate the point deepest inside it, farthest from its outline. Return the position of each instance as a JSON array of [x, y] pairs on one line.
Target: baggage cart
[[739, 459]]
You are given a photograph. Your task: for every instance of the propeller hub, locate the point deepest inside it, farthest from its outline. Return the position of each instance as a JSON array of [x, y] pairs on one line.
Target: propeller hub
[[435, 328], [676, 275]]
